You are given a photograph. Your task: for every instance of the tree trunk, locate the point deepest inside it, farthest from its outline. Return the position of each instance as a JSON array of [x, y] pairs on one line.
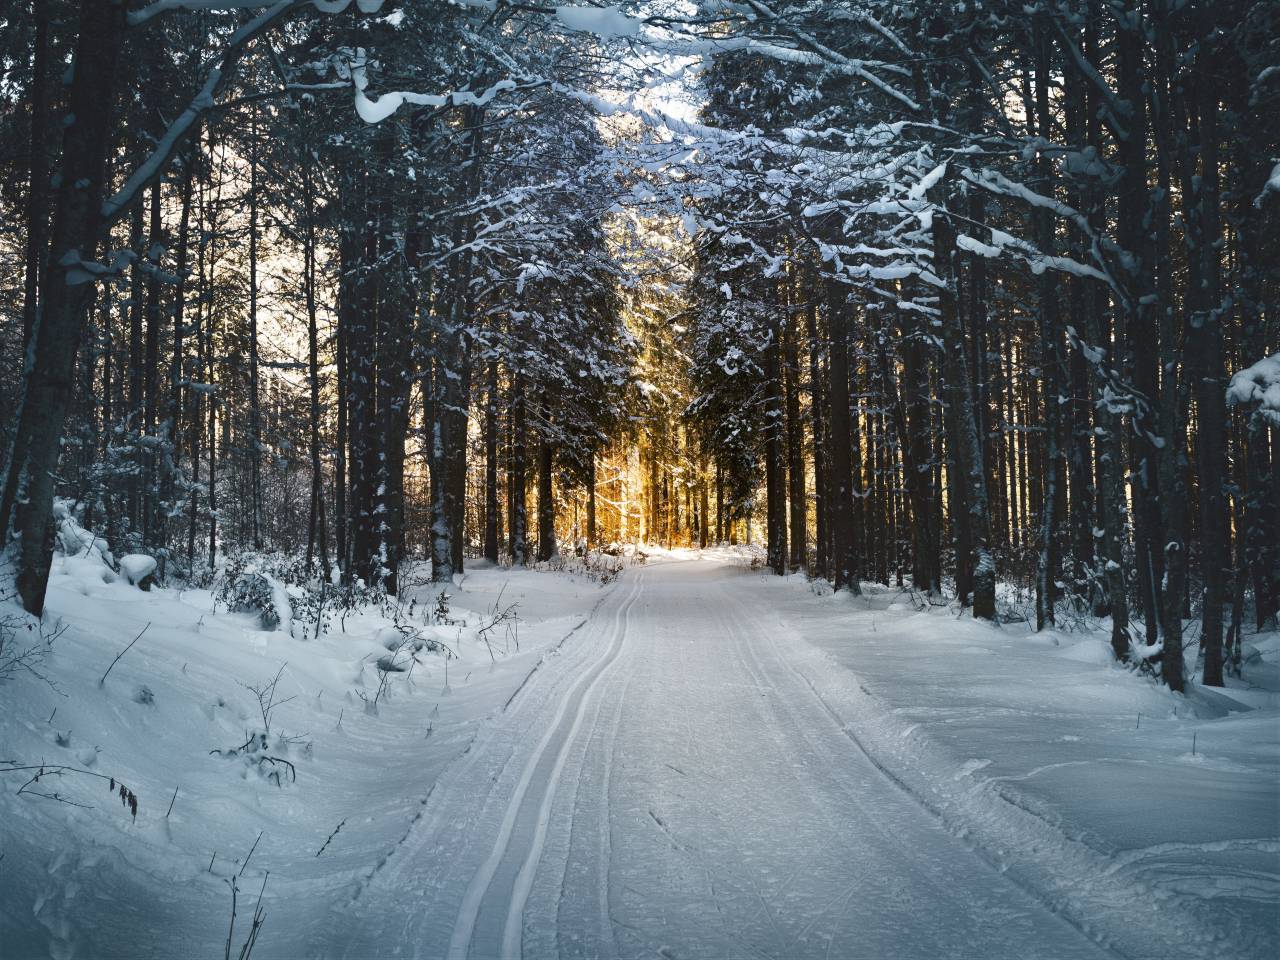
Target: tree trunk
[[795, 447], [1205, 342], [255, 406], [77, 223], [591, 501], [546, 496], [840, 429], [519, 460], [491, 466], [959, 394], [317, 535], [1047, 568], [775, 457]]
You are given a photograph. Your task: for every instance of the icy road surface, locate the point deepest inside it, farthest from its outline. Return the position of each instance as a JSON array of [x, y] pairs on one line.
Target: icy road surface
[[670, 785]]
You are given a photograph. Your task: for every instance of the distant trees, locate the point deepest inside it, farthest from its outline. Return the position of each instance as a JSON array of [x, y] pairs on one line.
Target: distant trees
[[264, 281], [1038, 274], [945, 292]]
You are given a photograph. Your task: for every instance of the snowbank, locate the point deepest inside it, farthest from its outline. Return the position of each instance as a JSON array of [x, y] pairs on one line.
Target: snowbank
[[1087, 782], [326, 787]]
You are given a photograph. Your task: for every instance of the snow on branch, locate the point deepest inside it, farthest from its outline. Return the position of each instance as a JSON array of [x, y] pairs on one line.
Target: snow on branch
[[1037, 261], [204, 101], [1258, 386], [998, 183], [378, 109], [152, 10], [1271, 186]]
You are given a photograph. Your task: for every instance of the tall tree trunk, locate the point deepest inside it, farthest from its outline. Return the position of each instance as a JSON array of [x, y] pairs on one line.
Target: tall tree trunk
[[343, 475], [491, 466], [840, 428], [775, 456], [77, 223], [959, 394], [546, 494], [362, 403], [799, 533], [1205, 342], [1133, 228], [519, 461], [1047, 568], [255, 406], [817, 404], [1171, 458], [37, 171], [317, 535], [591, 501]]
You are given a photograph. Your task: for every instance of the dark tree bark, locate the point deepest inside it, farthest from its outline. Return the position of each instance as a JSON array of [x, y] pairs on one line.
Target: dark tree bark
[[519, 461], [799, 534], [491, 466], [774, 456], [362, 401], [37, 171], [317, 535], [1052, 365], [255, 405], [840, 426], [1204, 227], [817, 404], [960, 403], [75, 235], [591, 501], [547, 548]]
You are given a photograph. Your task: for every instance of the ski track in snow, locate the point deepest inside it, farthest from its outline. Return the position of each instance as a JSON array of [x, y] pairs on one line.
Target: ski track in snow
[[672, 782], [710, 763]]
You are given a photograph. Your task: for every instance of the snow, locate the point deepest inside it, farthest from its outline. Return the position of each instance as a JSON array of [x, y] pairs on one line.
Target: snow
[[1258, 387], [136, 567], [1089, 792], [1271, 186], [92, 882], [696, 760], [602, 21]]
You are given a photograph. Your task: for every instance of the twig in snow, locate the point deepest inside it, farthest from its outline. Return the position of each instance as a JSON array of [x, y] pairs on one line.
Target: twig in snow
[[331, 836], [123, 652], [171, 799], [246, 859]]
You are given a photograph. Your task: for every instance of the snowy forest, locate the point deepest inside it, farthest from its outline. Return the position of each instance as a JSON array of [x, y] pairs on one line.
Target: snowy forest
[[622, 358]]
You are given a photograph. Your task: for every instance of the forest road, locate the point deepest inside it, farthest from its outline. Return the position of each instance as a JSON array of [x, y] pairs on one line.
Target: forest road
[[669, 785]]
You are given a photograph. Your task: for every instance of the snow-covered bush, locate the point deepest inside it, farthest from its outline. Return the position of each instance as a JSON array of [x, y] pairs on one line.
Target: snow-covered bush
[[1258, 387], [284, 591], [601, 566], [73, 540], [245, 587], [138, 569]]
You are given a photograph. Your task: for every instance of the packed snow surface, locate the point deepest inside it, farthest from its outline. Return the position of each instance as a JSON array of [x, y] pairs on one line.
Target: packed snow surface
[[696, 760]]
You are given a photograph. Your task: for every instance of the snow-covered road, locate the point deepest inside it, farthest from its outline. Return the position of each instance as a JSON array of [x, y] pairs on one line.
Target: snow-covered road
[[670, 784]]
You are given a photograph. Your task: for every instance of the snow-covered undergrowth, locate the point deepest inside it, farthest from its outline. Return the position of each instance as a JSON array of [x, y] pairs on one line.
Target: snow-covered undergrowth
[[255, 754], [1125, 807]]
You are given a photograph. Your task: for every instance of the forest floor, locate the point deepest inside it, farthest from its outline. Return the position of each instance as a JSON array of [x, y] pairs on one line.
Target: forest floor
[[695, 760]]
